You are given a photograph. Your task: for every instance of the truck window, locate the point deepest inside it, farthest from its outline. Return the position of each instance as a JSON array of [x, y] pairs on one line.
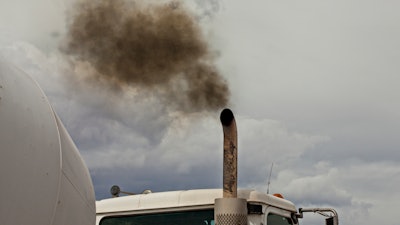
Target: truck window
[[274, 219], [203, 217]]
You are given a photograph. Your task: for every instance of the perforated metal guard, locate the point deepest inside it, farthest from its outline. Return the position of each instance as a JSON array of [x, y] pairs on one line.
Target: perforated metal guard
[[230, 211], [231, 219]]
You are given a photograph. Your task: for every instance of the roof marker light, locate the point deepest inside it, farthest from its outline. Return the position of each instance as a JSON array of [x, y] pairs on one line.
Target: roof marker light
[[278, 195]]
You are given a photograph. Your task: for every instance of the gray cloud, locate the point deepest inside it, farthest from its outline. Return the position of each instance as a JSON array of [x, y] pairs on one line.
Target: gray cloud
[[41, 24], [314, 87], [208, 8]]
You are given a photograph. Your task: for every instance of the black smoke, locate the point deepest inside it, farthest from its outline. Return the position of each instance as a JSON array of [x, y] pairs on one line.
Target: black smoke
[[152, 47]]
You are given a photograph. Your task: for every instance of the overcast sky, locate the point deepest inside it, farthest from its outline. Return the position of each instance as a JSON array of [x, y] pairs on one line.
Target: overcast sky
[[314, 89]]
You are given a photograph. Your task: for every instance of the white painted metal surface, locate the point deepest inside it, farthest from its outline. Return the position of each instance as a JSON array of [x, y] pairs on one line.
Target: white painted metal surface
[[43, 178], [181, 199]]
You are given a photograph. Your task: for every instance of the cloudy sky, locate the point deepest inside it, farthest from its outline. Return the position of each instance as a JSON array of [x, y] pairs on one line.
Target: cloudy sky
[[313, 87]]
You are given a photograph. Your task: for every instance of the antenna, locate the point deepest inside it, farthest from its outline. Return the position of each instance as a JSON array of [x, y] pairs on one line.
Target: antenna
[[269, 178]]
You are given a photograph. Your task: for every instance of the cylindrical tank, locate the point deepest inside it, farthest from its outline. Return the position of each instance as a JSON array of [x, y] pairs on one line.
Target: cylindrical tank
[[44, 180]]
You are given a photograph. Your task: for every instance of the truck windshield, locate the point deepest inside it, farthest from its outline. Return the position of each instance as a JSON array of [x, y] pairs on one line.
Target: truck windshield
[[273, 219], [203, 217]]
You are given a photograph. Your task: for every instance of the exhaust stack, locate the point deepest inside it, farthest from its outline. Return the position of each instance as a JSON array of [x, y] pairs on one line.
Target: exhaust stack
[[230, 154], [230, 210]]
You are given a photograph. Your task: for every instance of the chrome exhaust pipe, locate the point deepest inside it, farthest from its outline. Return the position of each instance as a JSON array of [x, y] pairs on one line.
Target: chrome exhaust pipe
[[230, 154], [230, 210]]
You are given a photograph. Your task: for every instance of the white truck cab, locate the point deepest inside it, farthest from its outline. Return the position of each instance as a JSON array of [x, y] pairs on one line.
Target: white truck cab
[[226, 206], [194, 207]]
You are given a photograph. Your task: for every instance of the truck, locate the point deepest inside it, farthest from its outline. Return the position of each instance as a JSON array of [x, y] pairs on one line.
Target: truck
[[198, 207], [226, 206], [45, 181]]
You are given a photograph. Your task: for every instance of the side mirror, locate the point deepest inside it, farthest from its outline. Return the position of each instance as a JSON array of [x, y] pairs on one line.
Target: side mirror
[[332, 219]]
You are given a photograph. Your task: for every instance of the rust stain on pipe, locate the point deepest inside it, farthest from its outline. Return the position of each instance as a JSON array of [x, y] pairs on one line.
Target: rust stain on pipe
[[230, 154]]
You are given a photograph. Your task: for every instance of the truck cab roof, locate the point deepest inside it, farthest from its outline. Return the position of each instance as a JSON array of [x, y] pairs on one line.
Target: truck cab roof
[[185, 199]]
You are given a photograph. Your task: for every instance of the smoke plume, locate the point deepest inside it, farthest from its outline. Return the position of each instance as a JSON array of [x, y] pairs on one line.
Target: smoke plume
[[156, 47]]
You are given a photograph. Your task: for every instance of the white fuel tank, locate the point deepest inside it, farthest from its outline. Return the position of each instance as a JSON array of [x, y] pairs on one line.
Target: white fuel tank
[[44, 180]]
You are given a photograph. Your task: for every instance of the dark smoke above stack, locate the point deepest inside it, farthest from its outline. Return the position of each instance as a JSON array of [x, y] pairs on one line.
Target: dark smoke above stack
[[149, 47]]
